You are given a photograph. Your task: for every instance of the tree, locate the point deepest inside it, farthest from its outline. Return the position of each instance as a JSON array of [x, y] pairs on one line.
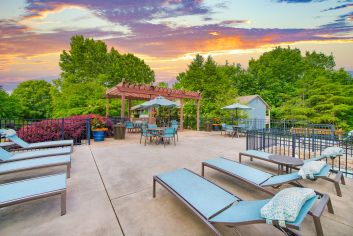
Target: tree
[[162, 85], [9, 107], [88, 68], [34, 99], [207, 77]]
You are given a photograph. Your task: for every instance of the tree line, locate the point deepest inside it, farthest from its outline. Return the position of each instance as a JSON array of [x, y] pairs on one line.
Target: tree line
[[295, 85]]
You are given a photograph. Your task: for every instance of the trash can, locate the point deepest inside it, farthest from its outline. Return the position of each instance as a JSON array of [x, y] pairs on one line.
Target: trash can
[[119, 131], [208, 126]]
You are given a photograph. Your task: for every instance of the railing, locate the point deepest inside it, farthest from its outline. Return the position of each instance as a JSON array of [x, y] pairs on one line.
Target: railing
[[302, 145], [40, 130]]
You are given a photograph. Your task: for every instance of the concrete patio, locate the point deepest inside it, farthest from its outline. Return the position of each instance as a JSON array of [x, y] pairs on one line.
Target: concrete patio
[[110, 192]]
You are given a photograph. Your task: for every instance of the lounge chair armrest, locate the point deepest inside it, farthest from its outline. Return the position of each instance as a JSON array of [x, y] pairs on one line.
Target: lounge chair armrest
[[324, 200]]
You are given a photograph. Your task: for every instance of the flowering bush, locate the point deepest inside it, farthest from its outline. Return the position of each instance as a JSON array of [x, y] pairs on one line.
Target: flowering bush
[[75, 127], [98, 124]]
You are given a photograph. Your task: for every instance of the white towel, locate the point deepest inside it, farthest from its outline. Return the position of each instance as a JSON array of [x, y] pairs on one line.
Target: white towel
[[309, 169]]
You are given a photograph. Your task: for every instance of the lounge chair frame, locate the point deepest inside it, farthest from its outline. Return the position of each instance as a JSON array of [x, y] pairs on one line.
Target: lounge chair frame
[[316, 213], [68, 167], [61, 192], [336, 181]]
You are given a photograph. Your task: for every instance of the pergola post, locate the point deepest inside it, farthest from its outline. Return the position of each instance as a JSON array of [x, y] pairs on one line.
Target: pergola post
[[107, 100], [198, 115], [181, 115], [129, 108], [122, 115], [150, 115]]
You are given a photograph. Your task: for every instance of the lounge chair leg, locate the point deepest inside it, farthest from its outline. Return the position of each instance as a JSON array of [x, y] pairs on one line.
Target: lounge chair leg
[[202, 170], [342, 180], [68, 168], [338, 189], [145, 140], [240, 158], [140, 139], [63, 203], [318, 226], [154, 188]]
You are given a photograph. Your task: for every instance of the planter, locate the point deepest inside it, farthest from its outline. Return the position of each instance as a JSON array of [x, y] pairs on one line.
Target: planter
[[216, 127], [98, 135]]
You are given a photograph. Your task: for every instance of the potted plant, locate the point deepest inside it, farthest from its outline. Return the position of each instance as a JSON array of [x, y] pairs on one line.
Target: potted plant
[[216, 124], [98, 129]]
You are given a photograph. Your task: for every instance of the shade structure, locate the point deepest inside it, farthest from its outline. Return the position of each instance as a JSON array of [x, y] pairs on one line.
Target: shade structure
[[237, 106], [158, 102]]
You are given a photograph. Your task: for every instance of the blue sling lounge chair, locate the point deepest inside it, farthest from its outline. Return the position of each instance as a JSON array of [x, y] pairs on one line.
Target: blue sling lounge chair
[[49, 144], [261, 155], [261, 179], [6, 156], [215, 205], [31, 189], [36, 163]]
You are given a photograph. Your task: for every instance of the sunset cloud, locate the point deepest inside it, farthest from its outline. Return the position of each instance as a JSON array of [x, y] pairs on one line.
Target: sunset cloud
[[166, 33]]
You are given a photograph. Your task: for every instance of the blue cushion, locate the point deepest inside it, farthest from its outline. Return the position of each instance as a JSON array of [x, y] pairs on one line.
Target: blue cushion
[[31, 187], [251, 174], [18, 141], [260, 154], [32, 163], [203, 195], [40, 153]]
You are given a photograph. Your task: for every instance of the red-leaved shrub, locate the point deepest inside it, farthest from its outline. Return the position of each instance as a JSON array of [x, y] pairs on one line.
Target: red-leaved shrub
[[74, 128]]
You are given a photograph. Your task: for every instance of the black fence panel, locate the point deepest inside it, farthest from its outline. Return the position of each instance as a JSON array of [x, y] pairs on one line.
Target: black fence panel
[[303, 145]]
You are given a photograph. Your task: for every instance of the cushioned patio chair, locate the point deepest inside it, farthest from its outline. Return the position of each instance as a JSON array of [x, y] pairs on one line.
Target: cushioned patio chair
[[148, 135], [129, 126], [175, 127], [223, 128], [216, 206], [168, 134], [151, 126], [6, 156], [229, 130], [261, 179], [37, 163], [28, 146], [31, 189]]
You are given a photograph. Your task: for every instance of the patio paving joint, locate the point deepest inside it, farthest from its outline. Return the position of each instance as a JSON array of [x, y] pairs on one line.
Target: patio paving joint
[[128, 194], [106, 191]]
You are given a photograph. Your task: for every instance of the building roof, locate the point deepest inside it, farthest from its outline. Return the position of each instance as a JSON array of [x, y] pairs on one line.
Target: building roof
[[246, 99]]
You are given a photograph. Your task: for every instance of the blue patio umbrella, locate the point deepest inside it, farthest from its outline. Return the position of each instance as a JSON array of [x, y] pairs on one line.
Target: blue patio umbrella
[[158, 102], [236, 107]]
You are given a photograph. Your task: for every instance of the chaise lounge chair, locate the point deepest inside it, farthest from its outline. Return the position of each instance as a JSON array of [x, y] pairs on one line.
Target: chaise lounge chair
[[261, 179], [6, 156], [37, 163], [31, 189], [28, 146], [214, 205], [265, 156]]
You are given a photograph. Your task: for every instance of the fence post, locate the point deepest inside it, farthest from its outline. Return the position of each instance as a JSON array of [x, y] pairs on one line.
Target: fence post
[[293, 144], [88, 129], [63, 128], [247, 140]]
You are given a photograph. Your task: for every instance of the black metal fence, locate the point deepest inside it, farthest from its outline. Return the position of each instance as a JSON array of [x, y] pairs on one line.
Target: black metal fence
[[304, 145]]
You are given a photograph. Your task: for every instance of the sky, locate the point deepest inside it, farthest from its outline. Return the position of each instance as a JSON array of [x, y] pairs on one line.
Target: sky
[[167, 34]]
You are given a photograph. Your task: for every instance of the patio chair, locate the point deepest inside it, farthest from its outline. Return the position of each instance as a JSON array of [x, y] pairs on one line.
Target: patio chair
[[6, 156], [229, 130], [168, 134], [175, 127], [223, 128], [28, 146], [145, 133], [26, 190], [37, 163], [129, 126], [151, 126], [261, 179], [214, 205]]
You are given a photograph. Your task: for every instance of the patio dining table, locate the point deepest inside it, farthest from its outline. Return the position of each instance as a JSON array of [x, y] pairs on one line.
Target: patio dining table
[[157, 132]]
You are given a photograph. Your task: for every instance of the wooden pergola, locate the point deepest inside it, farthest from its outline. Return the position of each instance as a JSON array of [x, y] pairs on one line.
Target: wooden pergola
[[130, 92]]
